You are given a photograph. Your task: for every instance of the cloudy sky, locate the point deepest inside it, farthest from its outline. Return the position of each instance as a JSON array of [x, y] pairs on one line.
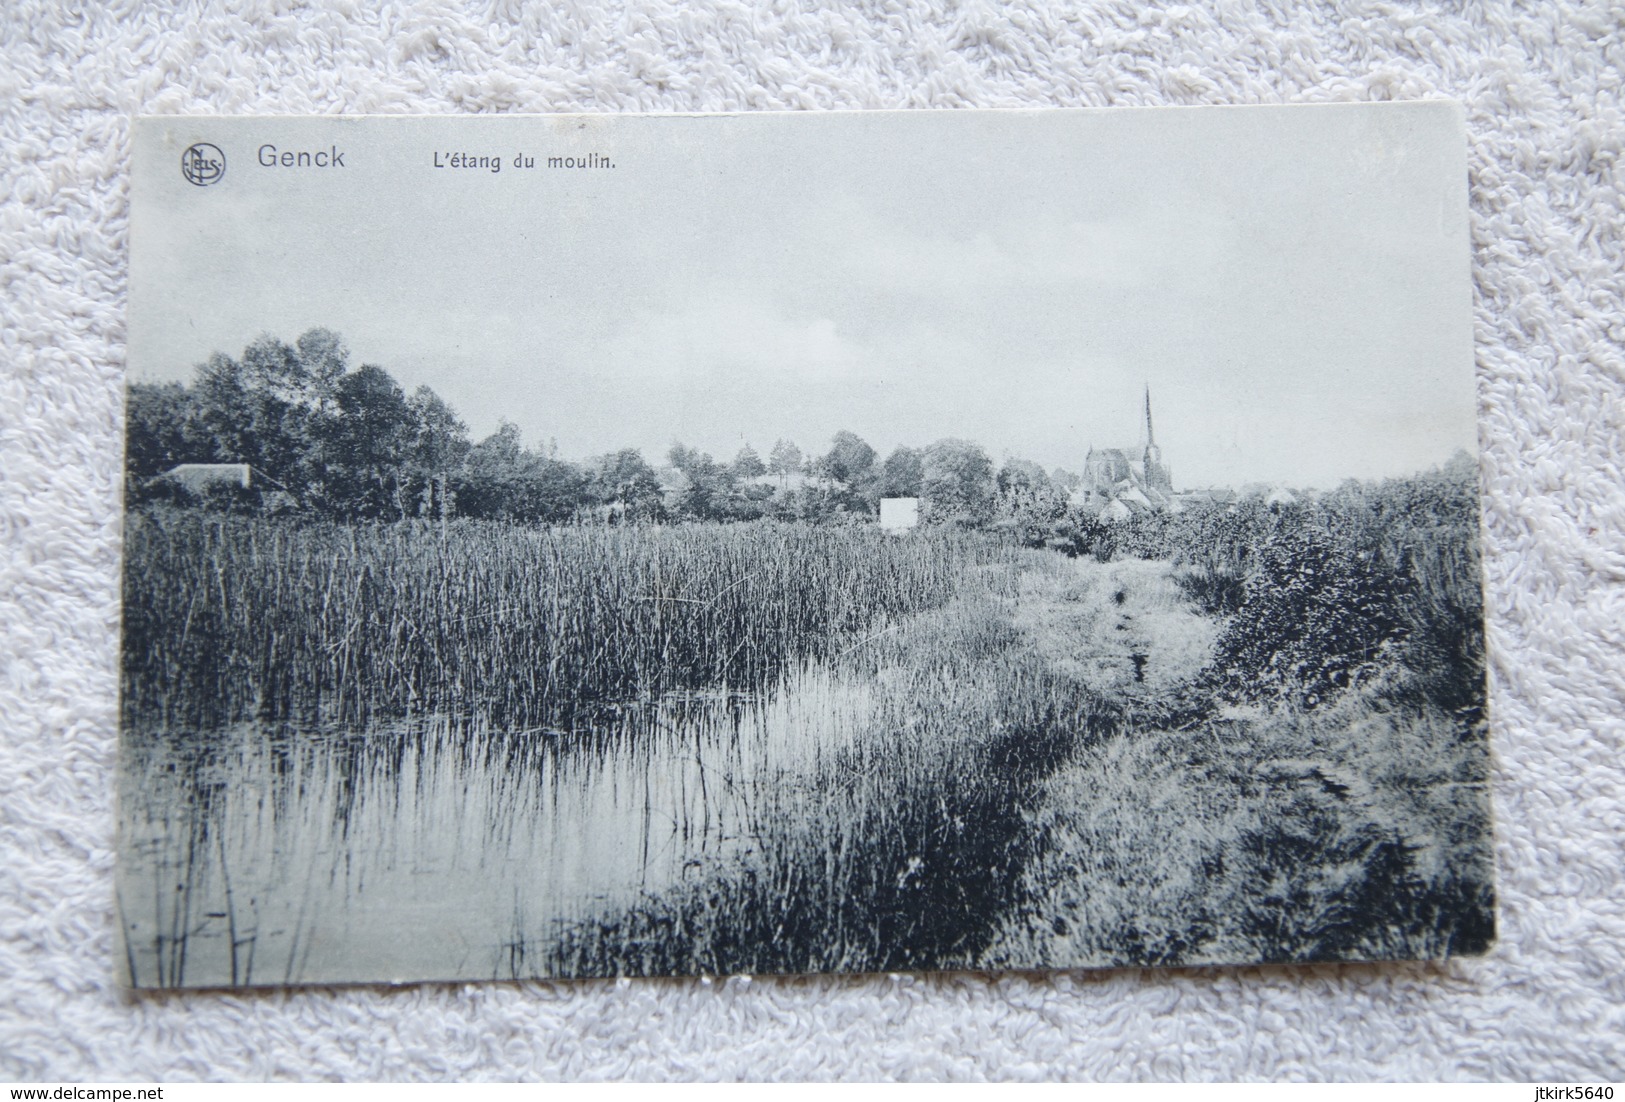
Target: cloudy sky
[[1291, 283]]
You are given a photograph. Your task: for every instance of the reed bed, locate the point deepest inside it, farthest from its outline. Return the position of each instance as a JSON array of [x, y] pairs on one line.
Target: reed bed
[[355, 752], [229, 618], [898, 844], [863, 812]]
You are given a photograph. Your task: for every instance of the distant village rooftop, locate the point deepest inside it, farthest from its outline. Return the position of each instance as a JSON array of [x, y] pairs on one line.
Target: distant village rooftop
[[200, 476]]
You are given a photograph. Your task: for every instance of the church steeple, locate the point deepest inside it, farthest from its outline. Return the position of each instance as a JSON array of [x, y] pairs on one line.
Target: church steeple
[[1130, 474], [1157, 475]]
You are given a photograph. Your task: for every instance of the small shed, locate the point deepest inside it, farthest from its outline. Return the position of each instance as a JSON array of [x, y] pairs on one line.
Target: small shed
[[198, 477], [899, 514]]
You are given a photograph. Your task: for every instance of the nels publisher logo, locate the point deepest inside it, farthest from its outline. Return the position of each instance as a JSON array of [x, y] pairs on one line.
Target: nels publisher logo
[[203, 164]]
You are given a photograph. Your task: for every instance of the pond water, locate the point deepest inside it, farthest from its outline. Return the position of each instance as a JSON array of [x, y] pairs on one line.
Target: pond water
[[443, 849]]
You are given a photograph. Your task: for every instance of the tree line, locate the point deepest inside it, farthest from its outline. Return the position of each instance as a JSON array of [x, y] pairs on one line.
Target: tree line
[[329, 439]]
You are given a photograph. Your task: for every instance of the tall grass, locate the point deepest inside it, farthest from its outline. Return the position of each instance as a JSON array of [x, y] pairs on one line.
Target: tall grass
[[597, 751], [767, 747], [861, 812], [902, 849], [228, 618]]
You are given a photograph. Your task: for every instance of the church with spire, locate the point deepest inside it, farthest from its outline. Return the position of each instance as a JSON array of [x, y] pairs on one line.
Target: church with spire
[[1119, 482]]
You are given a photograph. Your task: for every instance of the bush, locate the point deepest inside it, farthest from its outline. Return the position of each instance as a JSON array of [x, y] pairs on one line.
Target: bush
[[1315, 618], [1325, 593]]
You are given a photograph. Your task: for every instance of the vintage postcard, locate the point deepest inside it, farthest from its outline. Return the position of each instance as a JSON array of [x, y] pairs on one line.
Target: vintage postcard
[[620, 545]]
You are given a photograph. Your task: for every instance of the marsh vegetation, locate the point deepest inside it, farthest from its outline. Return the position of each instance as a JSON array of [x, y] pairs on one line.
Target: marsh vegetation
[[411, 749]]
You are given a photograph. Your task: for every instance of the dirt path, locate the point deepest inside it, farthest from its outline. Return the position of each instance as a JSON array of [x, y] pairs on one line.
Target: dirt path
[[1123, 629]]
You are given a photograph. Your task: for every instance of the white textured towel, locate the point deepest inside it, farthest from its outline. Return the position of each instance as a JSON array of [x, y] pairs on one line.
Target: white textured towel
[[1542, 91]]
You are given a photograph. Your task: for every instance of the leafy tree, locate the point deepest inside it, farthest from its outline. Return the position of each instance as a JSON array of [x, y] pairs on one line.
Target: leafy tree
[[1029, 503], [159, 430], [850, 463], [785, 458], [683, 457], [504, 481], [486, 485], [1064, 480], [273, 408], [438, 448], [323, 356], [707, 485], [811, 504], [551, 491], [367, 444], [1021, 475], [240, 425], [286, 408], [625, 479], [750, 501], [747, 464], [850, 459], [902, 473], [957, 484]]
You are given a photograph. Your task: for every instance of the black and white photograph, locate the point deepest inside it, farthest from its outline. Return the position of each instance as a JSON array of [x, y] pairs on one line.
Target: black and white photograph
[[593, 546]]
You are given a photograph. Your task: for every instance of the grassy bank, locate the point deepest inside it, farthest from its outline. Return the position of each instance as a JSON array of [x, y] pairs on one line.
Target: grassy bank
[[904, 847], [1345, 833], [1315, 786]]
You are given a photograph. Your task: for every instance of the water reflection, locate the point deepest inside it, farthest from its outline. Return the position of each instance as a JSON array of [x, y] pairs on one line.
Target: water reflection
[[437, 848]]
